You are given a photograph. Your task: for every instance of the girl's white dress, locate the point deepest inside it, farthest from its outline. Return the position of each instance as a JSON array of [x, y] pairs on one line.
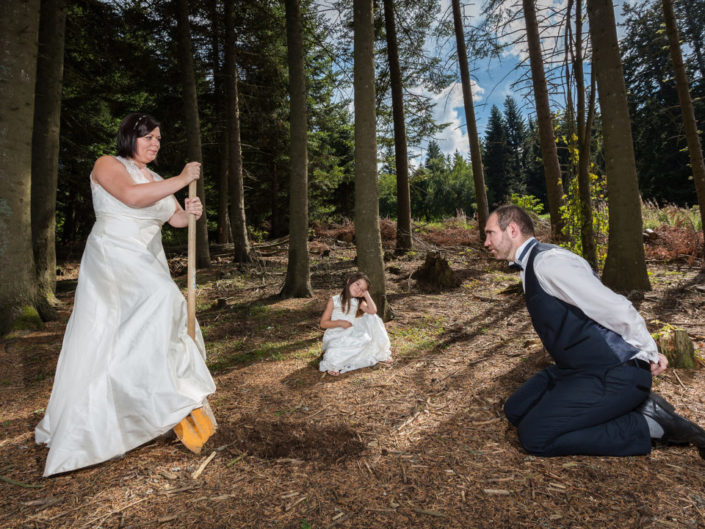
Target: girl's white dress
[[362, 345], [128, 371]]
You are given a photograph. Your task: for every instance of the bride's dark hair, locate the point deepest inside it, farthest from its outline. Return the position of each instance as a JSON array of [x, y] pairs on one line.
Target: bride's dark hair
[[136, 125], [345, 294]]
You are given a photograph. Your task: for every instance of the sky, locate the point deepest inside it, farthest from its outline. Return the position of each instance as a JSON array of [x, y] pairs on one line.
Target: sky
[[492, 81]]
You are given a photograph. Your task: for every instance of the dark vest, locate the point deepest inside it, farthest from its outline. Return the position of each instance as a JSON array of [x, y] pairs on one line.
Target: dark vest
[[572, 339]]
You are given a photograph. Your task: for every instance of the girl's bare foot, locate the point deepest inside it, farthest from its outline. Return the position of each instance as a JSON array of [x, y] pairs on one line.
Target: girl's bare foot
[[333, 373], [388, 361]]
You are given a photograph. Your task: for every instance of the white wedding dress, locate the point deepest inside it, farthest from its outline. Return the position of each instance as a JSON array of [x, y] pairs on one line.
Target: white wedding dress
[[362, 345], [128, 371]]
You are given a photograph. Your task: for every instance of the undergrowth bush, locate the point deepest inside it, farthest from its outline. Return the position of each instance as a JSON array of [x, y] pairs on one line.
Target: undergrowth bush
[[673, 243], [456, 231], [654, 216], [528, 203], [571, 213]]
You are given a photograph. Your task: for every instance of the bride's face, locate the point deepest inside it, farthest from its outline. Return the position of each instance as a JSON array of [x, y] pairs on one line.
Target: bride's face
[[358, 288], [148, 146]]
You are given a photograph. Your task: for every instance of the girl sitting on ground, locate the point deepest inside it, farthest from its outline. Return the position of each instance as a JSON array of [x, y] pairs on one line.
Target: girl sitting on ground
[[355, 336]]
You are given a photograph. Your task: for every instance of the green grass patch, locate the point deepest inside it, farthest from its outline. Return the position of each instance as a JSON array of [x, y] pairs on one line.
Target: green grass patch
[[312, 353], [228, 354], [412, 341]]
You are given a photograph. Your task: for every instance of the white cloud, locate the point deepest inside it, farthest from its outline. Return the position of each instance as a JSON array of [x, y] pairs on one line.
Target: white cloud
[[449, 107]]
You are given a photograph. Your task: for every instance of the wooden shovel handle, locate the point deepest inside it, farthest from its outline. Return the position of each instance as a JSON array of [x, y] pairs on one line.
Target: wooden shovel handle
[[191, 271]]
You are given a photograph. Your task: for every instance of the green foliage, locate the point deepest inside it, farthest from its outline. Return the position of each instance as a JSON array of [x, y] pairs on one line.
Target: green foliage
[[660, 146], [442, 187], [505, 154], [438, 190], [654, 216], [572, 216], [415, 21], [387, 189], [535, 177], [101, 86], [495, 157], [527, 203]]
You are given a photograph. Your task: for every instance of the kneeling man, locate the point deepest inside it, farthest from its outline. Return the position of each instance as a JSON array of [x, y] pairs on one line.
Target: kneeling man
[[596, 399]]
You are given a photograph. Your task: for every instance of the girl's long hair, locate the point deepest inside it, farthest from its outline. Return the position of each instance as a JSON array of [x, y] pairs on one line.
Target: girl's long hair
[[345, 294]]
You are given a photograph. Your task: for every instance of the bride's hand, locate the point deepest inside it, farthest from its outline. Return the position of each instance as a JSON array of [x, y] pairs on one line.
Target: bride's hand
[[190, 172], [194, 207], [345, 324]]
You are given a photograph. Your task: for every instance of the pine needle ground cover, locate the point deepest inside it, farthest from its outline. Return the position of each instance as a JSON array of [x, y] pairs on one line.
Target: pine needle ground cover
[[420, 443]]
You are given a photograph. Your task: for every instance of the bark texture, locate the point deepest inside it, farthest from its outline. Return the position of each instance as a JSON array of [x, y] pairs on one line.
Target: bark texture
[[221, 137], [401, 158], [45, 150], [19, 28], [689, 123], [238, 223], [192, 122], [547, 139], [475, 150], [584, 128], [367, 235], [298, 277], [625, 267]]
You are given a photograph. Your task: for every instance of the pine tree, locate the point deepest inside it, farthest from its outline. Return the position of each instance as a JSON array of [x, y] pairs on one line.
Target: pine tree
[[496, 159], [516, 141]]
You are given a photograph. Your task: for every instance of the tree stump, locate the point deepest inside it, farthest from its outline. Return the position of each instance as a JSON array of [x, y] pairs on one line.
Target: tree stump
[[676, 345], [319, 248], [436, 273]]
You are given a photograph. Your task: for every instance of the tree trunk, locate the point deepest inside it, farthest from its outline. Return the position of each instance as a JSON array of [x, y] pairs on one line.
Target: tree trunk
[[276, 218], [473, 138], [238, 223], [691, 127], [192, 122], [625, 267], [689, 10], [221, 139], [549, 153], [368, 239], [298, 276], [584, 122], [19, 29], [404, 242], [45, 150]]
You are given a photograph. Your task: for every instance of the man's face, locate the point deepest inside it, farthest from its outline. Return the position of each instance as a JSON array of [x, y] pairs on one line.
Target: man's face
[[498, 241]]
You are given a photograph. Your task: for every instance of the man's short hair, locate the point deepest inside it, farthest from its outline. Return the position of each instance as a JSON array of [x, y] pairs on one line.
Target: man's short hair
[[511, 213]]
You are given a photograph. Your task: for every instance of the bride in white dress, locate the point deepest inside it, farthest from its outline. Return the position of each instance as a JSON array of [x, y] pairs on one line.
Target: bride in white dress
[[355, 336], [128, 371]]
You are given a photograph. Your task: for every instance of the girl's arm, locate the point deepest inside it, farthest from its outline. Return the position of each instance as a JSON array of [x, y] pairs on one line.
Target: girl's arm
[[327, 323], [367, 304], [113, 177]]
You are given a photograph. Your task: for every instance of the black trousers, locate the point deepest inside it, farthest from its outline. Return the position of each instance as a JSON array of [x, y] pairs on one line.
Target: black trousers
[[570, 411]]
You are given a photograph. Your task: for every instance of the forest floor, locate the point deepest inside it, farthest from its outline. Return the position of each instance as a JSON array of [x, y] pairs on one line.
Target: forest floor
[[419, 443]]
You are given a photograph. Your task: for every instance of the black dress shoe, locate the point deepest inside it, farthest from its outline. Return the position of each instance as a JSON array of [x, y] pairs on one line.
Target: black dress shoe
[[676, 429]]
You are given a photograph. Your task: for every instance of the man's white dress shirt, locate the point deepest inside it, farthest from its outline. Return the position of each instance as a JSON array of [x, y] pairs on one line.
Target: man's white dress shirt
[[568, 277]]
